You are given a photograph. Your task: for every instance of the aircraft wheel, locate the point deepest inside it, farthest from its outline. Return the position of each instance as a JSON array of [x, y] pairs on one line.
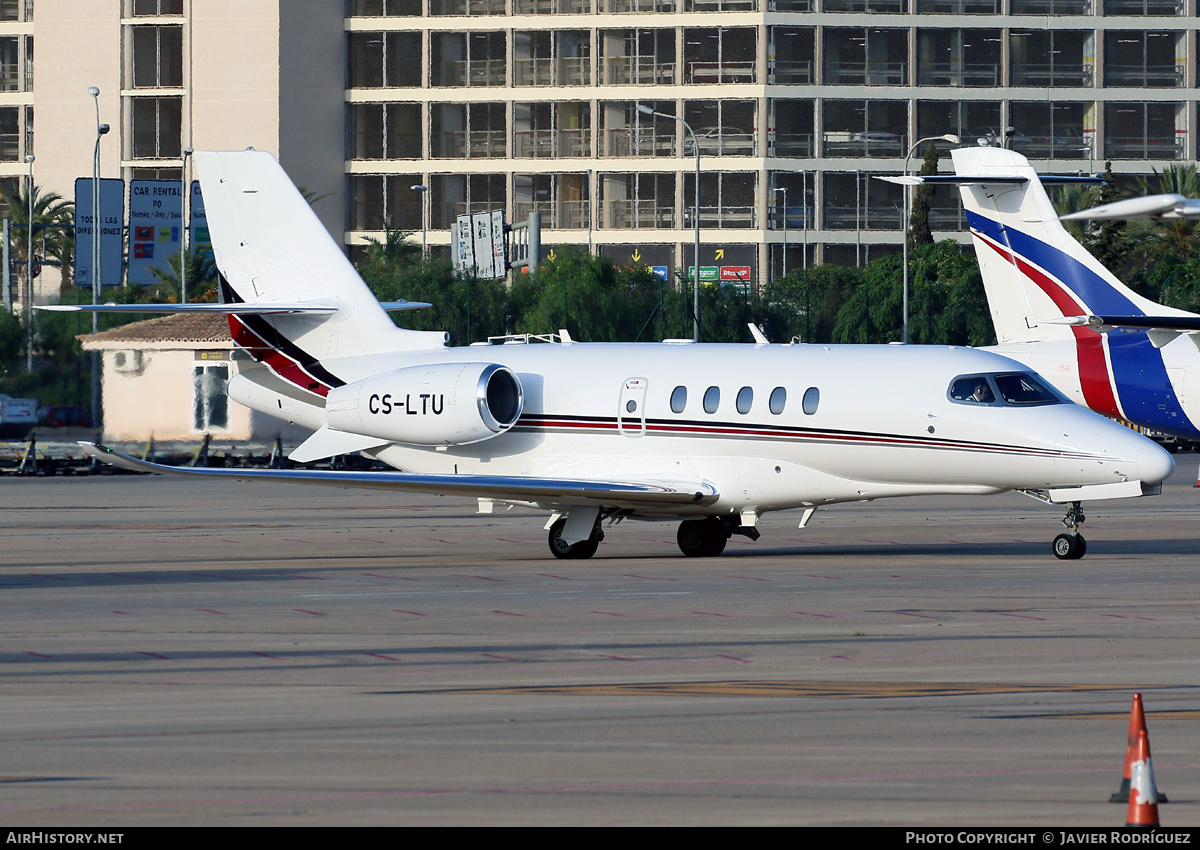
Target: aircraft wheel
[[573, 551], [702, 538], [1069, 547]]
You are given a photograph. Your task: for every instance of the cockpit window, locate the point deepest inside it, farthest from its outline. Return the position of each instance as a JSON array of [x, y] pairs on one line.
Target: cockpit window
[[972, 389], [1023, 388], [1015, 388]]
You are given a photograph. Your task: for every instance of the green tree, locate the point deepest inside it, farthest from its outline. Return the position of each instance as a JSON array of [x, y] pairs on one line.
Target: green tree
[[53, 228], [201, 277], [919, 231]]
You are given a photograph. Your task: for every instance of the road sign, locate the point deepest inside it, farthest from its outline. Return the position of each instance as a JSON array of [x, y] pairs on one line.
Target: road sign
[[479, 245], [112, 225]]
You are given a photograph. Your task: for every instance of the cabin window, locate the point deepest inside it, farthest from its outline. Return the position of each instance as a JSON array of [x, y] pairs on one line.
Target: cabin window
[[1024, 389], [678, 399], [972, 389], [745, 398], [631, 406], [812, 398], [712, 399], [778, 400]]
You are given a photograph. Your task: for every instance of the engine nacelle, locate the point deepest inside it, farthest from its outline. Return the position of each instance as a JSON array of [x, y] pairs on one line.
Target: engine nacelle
[[443, 404]]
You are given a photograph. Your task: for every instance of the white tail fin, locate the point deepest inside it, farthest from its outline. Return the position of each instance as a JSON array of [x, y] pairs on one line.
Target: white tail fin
[[270, 247], [1034, 271]]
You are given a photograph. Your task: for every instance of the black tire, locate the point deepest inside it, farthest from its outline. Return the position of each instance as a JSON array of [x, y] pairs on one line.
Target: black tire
[[702, 538], [1067, 547], [572, 551], [1082, 546]]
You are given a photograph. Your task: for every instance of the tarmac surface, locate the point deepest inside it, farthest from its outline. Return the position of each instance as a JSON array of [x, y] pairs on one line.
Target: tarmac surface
[[213, 653]]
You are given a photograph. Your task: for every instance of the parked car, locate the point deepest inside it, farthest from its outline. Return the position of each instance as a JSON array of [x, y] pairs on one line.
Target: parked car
[[65, 416]]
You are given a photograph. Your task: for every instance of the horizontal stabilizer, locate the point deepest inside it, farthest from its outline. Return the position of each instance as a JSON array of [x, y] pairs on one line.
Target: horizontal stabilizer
[[1180, 324], [988, 179], [1150, 207], [956, 179], [551, 492], [329, 442], [240, 308]]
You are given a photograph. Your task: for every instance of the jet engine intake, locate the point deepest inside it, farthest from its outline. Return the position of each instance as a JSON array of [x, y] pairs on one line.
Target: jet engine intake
[[444, 404]]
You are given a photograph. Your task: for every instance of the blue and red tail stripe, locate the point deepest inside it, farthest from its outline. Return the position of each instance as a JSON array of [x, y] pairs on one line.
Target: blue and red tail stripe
[[1121, 374]]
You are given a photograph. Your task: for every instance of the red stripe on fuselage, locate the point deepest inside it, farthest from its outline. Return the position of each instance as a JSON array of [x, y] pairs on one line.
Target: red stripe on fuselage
[[1094, 377], [275, 360]]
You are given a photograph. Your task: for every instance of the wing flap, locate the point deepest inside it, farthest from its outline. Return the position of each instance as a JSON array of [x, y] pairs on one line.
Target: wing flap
[[515, 488]]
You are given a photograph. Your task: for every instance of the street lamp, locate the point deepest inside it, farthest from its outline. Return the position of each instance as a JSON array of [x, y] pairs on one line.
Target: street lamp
[[101, 129], [907, 223], [183, 227], [424, 190], [649, 110], [785, 225], [29, 270]]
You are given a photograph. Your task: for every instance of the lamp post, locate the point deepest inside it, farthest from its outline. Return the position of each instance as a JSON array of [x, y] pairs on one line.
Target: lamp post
[[101, 129], [29, 270], [424, 190], [183, 227], [906, 224], [649, 110], [785, 225]]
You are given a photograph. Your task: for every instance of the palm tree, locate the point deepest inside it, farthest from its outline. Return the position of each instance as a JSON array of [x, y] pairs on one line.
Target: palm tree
[[53, 229], [201, 276], [1172, 238]]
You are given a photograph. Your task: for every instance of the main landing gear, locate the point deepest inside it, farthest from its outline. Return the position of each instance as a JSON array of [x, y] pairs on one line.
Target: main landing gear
[[703, 538], [574, 551], [1071, 546]]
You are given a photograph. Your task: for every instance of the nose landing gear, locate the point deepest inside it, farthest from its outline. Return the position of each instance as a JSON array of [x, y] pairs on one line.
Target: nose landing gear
[[1071, 546]]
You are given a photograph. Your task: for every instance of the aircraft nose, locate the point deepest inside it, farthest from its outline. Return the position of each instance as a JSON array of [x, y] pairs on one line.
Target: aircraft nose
[[1154, 463]]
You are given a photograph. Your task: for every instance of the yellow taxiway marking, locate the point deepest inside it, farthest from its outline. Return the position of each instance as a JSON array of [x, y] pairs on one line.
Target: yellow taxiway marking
[[819, 690]]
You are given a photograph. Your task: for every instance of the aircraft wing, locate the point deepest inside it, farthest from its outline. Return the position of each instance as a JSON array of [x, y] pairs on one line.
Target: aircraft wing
[[554, 492], [1161, 207], [239, 308]]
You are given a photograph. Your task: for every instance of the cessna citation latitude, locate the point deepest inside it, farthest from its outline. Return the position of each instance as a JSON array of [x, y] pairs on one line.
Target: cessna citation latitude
[[712, 435]]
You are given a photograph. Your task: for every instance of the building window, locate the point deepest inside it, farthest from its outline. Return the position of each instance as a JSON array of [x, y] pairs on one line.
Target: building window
[[452, 195], [856, 128], [157, 57], [562, 199], [385, 60], [460, 8], [386, 202], [384, 131], [855, 201], [626, 132], [727, 199], [1051, 58], [1145, 131], [10, 134], [468, 131], [720, 55], [150, 8], [157, 127], [547, 130], [552, 58], [872, 57], [637, 201], [211, 409], [723, 127], [637, 57], [385, 8], [467, 59], [958, 57], [791, 128]]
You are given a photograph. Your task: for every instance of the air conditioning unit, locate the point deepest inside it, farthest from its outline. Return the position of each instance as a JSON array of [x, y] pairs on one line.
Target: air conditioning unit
[[128, 362]]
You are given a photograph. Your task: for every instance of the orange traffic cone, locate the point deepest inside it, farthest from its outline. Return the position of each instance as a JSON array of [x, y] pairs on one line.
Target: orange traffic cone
[[1137, 723], [1143, 796]]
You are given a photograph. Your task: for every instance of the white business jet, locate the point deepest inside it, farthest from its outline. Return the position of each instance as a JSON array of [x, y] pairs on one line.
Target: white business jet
[[713, 435], [1056, 309]]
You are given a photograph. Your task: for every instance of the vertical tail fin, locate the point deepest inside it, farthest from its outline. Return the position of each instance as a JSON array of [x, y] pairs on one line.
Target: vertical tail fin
[[270, 246], [1034, 271]]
